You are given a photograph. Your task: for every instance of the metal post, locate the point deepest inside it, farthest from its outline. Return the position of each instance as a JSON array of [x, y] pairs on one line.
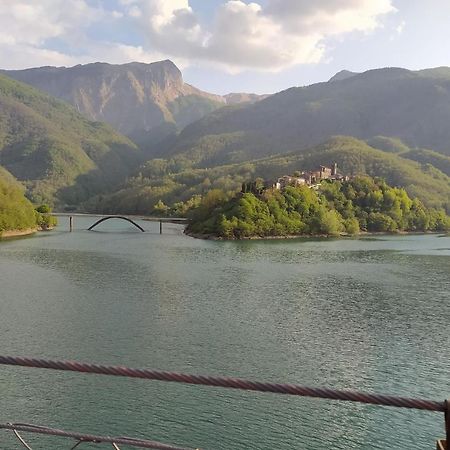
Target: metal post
[[160, 227], [71, 224], [447, 424]]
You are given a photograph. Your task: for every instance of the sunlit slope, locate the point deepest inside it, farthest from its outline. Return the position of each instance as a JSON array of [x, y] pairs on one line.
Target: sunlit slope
[[60, 156], [160, 180], [145, 102], [16, 211], [397, 103]]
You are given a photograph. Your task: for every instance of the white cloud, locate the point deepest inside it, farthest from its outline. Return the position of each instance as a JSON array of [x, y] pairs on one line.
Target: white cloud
[[26, 27], [241, 34], [34, 22], [22, 56], [247, 35], [400, 27]]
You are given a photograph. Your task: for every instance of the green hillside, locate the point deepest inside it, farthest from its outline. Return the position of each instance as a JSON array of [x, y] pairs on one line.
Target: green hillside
[[413, 107], [16, 212], [427, 157], [359, 204], [170, 182], [7, 177], [59, 155]]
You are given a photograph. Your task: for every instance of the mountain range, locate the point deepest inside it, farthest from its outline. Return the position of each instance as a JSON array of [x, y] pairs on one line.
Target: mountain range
[[146, 102], [392, 122], [411, 106]]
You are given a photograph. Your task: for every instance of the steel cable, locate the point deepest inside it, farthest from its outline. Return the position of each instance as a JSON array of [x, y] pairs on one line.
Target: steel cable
[[226, 382]]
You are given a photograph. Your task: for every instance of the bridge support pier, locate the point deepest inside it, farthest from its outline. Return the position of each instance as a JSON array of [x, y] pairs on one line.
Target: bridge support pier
[[160, 227], [71, 224]]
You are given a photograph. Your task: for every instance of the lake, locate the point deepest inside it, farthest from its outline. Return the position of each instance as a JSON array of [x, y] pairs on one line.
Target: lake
[[368, 314]]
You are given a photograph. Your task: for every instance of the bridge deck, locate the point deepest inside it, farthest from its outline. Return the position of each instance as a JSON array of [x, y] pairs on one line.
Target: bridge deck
[[132, 217]]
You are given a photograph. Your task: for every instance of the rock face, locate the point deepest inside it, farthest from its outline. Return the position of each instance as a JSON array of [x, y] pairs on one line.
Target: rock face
[[135, 98]]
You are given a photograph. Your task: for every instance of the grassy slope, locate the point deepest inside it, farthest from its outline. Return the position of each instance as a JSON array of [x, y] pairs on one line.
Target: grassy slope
[[59, 155]]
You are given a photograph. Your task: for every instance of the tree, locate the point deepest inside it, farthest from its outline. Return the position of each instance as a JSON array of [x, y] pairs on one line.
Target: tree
[[44, 209], [16, 212], [380, 222], [160, 207], [331, 223], [351, 226]]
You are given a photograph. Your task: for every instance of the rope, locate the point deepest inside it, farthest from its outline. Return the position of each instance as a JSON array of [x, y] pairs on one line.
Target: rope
[[233, 383], [141, 443]]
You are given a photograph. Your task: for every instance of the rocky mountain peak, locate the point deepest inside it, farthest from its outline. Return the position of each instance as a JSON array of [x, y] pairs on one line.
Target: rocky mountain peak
[[134, 98]]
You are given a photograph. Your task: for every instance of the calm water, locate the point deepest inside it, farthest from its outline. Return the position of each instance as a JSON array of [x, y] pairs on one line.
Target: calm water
[[367, 314]]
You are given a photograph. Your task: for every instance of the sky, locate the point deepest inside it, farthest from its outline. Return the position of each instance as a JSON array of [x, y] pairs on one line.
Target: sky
[[222, 46]]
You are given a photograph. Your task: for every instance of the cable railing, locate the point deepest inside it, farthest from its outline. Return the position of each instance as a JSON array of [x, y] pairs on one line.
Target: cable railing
[[212, 381], [80, 437]]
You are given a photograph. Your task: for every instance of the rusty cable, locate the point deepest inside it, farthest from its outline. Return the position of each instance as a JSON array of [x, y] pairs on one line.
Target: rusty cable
[[226, 382]]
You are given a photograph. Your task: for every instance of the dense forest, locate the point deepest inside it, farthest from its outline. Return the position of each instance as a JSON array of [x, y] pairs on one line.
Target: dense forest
[[362, 204], [172, 185], [59, 155], [16, 212]]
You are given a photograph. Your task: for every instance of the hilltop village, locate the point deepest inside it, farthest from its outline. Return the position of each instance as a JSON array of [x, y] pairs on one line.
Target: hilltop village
[[312, 179]]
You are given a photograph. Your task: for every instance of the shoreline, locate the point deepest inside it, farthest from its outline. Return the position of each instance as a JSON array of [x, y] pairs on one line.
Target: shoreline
[[10, 234], [213, 237], [17, 233]]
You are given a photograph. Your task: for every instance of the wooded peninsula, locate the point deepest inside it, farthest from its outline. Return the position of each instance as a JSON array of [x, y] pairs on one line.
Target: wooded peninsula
[[349, 207]]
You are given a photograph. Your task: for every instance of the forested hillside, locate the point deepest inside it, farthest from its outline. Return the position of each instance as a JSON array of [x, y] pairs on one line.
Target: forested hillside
[[16, 212], [171, 182], [411, 106], [360, 204], [59, 155]]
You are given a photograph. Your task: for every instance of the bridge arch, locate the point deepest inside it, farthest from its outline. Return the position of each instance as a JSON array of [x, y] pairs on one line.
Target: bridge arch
[[115, 217]]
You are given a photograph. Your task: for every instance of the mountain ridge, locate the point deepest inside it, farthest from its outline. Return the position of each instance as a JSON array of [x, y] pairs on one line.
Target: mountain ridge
[[134, 98], [393, 102], [146, 102]]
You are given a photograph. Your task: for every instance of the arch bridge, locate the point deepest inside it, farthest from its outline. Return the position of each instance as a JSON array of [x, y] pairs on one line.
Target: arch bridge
[[132, 219], [115, 217]]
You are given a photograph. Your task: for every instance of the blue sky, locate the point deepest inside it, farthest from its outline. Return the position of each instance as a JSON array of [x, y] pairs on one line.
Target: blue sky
[[229, 45]]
